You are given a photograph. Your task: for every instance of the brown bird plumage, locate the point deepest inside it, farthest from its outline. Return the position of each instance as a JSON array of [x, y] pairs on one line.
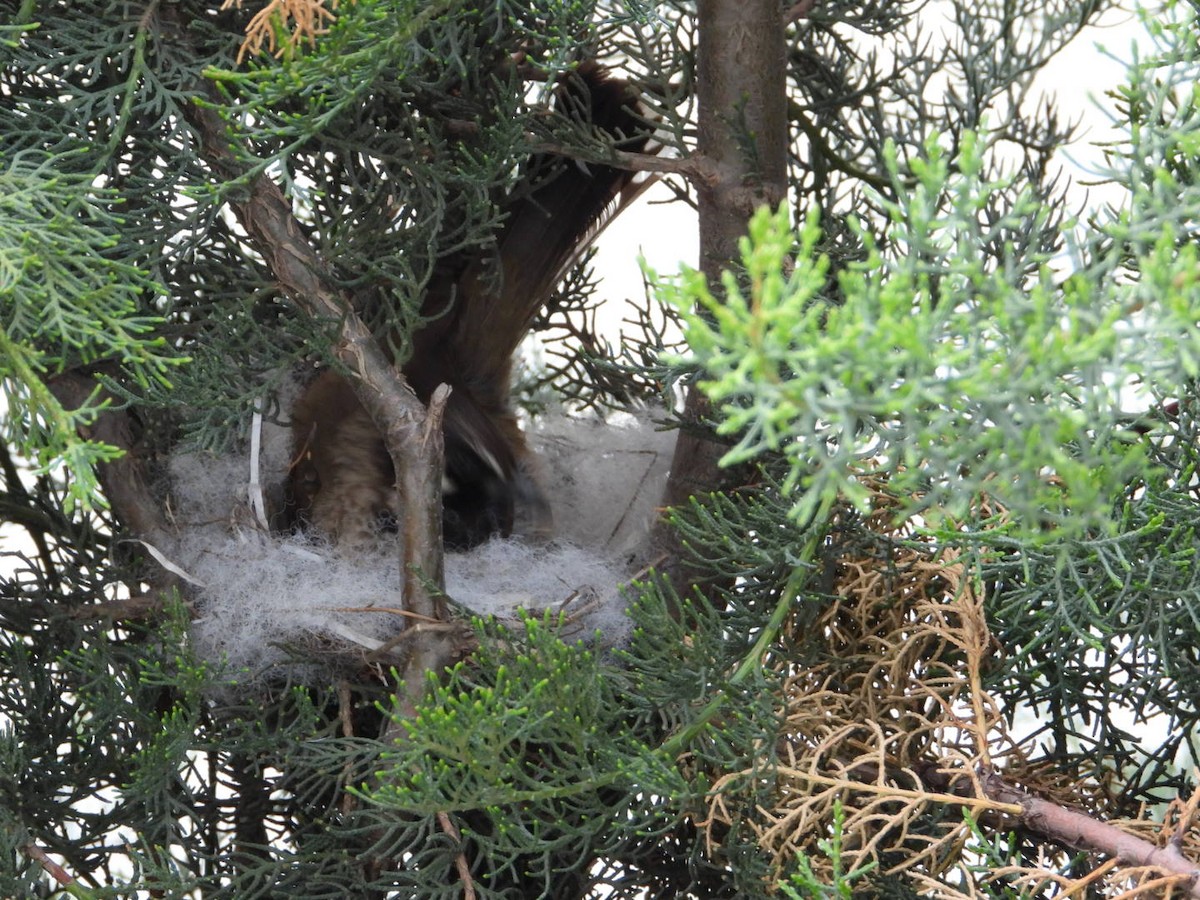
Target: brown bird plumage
[[480, 309]]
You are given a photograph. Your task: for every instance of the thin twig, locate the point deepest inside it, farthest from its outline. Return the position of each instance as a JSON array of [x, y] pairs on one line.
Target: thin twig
[[888, 790], [1081, 831], [694, 167], [64, 878], [460, 861], [410, 633], [1075, 888], [139, 606], [391, 610], [345, 713]]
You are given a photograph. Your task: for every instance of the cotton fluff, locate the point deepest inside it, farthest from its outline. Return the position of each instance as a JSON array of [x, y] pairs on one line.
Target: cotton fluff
[[268, 605], [264, 605], [605, 479]]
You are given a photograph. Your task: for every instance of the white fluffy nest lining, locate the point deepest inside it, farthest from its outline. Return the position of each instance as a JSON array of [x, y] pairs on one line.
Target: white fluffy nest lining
[[267, 603]]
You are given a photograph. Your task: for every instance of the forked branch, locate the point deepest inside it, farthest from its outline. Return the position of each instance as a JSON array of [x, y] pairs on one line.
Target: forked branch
[[412, 433]]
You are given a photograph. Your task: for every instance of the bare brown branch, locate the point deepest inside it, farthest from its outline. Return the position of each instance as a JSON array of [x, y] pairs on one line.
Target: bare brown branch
[[695, 167], [57, 872], [460, 861], [411, 433], [1083, 832], [139, 606], [125, 481]]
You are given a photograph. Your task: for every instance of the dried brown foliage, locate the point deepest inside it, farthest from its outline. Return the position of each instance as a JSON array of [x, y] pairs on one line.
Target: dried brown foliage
[[892, 723], [281, 26]]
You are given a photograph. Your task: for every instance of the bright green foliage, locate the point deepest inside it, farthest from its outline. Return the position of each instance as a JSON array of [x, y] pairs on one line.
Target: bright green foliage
[[956, 372], [805, 884], [476, 744], [522, 747], [66, 302], [1052, 390], [545, 754]]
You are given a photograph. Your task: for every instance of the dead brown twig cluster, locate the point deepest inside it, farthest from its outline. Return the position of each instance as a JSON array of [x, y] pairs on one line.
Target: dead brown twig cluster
[[888, 725], [281, 26]]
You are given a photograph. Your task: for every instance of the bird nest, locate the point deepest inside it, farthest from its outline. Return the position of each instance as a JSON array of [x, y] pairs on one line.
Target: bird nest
[[269, 604]]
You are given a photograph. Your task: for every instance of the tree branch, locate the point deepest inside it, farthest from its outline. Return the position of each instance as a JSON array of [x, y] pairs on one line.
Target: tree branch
[[411, 434], [1082, 832], [125, 482], [742, 106], [63, 878], [695, 167], [135, 608], [990, 793], [1069, 827]]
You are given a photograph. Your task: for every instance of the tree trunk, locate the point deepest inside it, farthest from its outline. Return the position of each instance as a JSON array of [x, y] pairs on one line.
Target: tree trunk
[[741, 93]]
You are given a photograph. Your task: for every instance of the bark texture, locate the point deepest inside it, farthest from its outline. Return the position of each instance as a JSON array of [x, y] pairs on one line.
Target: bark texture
[[742, 102]]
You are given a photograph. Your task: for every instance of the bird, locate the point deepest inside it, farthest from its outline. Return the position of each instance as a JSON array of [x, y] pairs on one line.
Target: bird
[[476, 312]]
